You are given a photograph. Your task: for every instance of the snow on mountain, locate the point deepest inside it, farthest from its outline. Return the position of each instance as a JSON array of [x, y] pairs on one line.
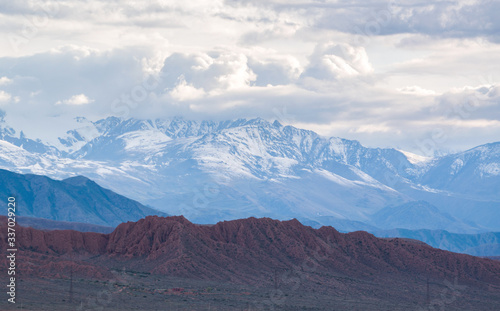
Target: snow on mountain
[[149, 140], [415, 158], [458, 172], [14, 156], [490, 169], [75, 138], [464, 185], [211, 171]]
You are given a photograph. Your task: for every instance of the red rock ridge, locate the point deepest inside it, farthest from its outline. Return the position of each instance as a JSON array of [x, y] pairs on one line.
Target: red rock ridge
[[246, 250]]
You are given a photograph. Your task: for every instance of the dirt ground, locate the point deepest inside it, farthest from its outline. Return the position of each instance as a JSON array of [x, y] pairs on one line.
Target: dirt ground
[[142, 291]]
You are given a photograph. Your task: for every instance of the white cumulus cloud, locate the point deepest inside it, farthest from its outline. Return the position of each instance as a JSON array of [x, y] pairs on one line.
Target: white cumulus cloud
[[76, 100], [4, 97], [5, 80], [184, 91]]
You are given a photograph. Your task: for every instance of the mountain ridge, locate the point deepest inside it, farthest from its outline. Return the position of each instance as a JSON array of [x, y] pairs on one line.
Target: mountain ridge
[[161, 241], [210, 171], [77, 199], [482, 244], [171, 256]]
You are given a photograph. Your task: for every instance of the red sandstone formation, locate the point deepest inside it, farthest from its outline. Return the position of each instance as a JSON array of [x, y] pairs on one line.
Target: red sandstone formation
[[246, 250]]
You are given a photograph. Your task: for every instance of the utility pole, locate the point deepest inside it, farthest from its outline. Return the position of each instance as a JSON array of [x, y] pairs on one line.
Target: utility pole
[[428, 300], [277, 269], [71, 285], [275, 279]]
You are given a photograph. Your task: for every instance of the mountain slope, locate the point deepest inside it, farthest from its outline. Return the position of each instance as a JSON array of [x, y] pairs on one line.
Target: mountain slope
[[252, 251], [211, 171], [238, 248], [244, 157], [75, 199], [459, 171], [47, 224], [483, 244], [167, 164], [418, 215]]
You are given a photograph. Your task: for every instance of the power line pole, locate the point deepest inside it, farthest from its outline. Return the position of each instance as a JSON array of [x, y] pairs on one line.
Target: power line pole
[[71, 285], [428, 300], [275, 279]]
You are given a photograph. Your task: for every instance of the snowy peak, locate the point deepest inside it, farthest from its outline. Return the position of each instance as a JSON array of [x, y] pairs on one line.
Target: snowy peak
[[474, 173], [491, 149], [214, 170], [243, 147], [483, 161], [8, 134]]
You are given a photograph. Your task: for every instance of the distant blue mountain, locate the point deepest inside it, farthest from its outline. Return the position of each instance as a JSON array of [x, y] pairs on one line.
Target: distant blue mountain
[[75, 199], [417, 215], [483, 244]]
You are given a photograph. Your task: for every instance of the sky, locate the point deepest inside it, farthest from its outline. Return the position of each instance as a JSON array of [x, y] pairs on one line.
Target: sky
[[421, 76]]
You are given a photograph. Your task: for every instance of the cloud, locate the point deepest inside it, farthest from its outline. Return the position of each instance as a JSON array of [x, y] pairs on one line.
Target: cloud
[[5, 80], [443, 19], [470, 103], [71, 75], [4, 97], [387, 73], [335, 61], [416, 90], [272, 69], [344, 100], [374, 128], [215, 72], [76, 100], [184, 91]]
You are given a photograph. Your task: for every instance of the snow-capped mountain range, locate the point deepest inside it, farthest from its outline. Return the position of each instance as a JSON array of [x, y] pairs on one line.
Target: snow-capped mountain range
[[211, 171]]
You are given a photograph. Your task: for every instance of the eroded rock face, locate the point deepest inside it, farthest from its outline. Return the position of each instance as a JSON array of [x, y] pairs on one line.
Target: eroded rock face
[[60, 242], [246, 250]]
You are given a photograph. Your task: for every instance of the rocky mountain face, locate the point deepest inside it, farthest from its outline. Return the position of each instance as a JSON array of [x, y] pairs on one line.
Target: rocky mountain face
[[261, 263], [248, 249], [76, 199], [235, 250], [211, 171]]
